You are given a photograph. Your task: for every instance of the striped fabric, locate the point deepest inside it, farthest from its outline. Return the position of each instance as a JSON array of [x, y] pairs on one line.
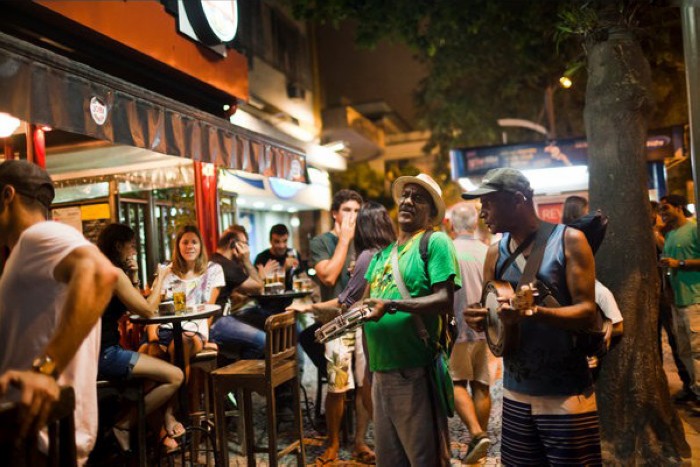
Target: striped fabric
[[535, 437]]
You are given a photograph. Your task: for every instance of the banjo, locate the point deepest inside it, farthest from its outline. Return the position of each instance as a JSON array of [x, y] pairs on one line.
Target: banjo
[[501, 341], [348, 321]]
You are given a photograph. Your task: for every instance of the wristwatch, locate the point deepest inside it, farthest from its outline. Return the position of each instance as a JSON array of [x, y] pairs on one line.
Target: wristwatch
[[681, 264], [391, 307], [46, 366]]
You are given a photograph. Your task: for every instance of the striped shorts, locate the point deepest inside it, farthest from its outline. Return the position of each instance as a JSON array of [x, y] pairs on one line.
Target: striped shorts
[[550, 430]]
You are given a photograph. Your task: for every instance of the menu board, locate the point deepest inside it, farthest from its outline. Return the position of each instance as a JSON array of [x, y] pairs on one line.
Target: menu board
[[88, 219]]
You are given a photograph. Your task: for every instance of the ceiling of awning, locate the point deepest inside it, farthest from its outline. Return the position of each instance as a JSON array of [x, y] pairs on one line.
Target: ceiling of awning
[[45, 88]]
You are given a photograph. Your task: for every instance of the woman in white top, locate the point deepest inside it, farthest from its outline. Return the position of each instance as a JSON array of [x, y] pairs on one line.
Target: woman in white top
[[201, 280]]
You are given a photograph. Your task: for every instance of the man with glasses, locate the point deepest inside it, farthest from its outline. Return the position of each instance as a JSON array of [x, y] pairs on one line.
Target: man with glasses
[[410, 427], [681, 258]]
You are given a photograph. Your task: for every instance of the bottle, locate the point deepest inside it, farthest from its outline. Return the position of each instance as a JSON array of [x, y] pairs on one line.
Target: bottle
[[289, 273]]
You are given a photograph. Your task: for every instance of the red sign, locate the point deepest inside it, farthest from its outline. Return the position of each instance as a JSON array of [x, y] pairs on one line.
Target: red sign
[[550, 212]]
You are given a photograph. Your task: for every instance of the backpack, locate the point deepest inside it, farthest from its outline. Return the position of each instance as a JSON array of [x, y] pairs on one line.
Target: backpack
[[447, 332], [594, 343]]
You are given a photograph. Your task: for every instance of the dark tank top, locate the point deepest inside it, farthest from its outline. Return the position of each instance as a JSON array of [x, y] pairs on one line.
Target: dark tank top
[[110, 323], [546, 362]]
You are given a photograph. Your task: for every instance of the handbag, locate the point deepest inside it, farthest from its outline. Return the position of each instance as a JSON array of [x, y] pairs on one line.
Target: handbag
[[439, 370]]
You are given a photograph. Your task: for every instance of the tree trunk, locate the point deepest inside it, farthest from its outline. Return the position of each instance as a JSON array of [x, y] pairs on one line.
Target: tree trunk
[[639, 424]]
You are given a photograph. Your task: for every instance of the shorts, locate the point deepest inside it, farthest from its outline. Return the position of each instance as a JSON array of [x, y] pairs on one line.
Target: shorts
[[470, 361], [165, 336], [116, 363], [550, 430], [339, 360]]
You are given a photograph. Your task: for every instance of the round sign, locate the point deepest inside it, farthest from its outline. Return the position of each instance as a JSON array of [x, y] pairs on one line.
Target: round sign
[[98, 110], [214, 21]]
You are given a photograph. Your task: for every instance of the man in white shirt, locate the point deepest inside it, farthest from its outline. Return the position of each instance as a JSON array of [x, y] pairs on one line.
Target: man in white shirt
[[53, 290]]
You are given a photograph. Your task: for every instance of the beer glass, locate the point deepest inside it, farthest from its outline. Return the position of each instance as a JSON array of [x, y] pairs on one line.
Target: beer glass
[[179, 298]]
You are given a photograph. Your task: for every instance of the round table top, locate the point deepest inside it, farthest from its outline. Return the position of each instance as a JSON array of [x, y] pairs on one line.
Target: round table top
[[196, 312], [282, 296]]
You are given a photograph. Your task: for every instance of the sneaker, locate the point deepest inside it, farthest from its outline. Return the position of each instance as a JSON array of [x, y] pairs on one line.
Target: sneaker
[[478, 447]]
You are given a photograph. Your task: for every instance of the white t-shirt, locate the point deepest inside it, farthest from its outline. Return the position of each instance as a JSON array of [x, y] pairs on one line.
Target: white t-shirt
[[198, 291], [31, 301], [606, 301]]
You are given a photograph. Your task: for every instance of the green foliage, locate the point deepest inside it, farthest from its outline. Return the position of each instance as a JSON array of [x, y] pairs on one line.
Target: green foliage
[[363, 179], [493, 59]]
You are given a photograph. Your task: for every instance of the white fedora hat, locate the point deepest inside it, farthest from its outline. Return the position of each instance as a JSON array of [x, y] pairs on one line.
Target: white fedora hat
[[431, 186]]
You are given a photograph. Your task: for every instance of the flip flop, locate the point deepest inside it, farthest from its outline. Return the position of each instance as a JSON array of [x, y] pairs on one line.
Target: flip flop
[[122, 435], [364, 456], [169, 447], [320, 460], [176, 430]]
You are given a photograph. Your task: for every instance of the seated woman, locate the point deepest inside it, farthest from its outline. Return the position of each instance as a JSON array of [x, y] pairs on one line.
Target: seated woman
[[373, 232], [201, 280], [116, 241]]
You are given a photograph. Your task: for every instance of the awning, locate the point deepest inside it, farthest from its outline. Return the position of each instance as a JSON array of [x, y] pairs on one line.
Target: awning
[[45, 88]]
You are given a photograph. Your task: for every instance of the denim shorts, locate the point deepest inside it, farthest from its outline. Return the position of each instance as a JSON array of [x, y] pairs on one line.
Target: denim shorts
[[165, 336], [116, 363]]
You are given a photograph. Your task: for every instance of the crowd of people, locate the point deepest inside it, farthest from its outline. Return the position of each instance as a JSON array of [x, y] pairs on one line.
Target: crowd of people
[[422, 279]]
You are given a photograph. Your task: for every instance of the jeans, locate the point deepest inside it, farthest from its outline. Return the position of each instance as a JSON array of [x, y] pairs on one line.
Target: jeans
[[230, 331], [687, 323]]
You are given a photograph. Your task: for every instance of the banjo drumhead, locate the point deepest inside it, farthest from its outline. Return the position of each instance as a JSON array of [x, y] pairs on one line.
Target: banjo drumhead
[[494, 329]]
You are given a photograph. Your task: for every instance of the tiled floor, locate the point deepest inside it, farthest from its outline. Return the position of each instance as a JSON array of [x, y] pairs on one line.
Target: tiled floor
[[314, 440]]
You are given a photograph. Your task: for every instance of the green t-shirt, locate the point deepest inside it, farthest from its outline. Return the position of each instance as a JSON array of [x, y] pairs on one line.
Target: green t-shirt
[[393, 342], [321, 248], [682, 243]]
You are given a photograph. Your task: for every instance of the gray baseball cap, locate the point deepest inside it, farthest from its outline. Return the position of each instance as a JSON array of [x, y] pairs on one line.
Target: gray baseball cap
[[28, 180], [503, 179]]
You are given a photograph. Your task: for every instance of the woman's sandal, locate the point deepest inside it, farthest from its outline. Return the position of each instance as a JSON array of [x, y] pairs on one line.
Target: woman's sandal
[[169, 444], [176, 430], [123, 438]]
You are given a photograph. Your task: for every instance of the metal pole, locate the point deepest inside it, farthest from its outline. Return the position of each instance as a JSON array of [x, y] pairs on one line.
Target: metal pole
[[151, 236], [549, 109], [691, 48]]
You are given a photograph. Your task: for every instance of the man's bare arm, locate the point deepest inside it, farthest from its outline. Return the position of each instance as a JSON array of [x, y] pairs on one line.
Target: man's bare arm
[[580, 280], [437, 303], [91, 279]]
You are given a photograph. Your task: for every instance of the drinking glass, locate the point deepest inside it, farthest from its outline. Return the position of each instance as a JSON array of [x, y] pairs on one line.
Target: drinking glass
[[179, 298]]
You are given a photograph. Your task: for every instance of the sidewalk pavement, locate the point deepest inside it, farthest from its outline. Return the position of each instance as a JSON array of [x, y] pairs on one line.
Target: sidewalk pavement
[[459, 435]]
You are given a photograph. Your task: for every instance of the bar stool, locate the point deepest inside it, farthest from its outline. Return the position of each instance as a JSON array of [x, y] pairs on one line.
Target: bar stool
[[201, 366], [131, 391], [263, 376], [25, 453]]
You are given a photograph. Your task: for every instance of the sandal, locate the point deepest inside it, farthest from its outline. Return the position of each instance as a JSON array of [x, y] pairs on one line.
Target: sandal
[[169, 445], [175, 430], [321, 460], [365, 456], [123, 438]]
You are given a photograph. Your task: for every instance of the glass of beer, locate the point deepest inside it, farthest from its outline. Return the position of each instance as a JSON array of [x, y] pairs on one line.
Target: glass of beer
[[179, 298]]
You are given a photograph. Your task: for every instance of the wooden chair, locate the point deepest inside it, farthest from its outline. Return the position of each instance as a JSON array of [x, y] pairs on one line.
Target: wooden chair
[[62, 451], [263, 376]]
